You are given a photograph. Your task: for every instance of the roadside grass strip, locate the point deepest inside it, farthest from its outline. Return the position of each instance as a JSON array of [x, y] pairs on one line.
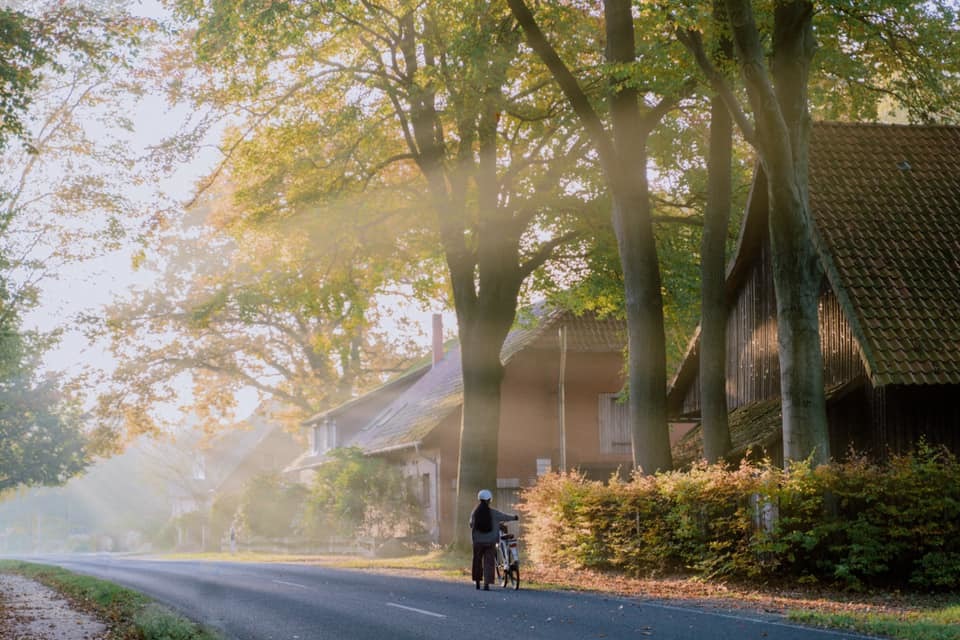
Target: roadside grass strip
[[929, 624], [442, 561], [129, 614]]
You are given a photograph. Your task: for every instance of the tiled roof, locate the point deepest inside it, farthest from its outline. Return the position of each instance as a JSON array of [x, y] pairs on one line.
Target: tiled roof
[[886, 200], [439, 393], [755, 426], [886, 205]]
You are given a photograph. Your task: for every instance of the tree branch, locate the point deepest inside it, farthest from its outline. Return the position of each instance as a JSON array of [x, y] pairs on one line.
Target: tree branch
[[545, 251], [693, 41], [568, 84]]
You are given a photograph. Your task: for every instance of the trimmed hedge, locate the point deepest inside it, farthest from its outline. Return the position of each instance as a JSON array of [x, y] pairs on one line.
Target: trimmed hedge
[[855, 523]]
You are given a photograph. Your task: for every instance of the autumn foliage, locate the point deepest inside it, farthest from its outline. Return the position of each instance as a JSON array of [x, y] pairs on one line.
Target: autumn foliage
[[854, 524]]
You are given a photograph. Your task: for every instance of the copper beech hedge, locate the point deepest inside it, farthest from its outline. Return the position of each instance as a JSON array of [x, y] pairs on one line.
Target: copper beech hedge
[[855, 523]]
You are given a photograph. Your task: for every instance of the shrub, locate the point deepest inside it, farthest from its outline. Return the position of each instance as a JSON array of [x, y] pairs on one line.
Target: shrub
[[855, 523], [269, 506], [356, 495]]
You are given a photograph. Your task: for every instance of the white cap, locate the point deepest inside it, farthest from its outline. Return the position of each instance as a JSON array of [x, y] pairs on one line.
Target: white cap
[[484, 495]]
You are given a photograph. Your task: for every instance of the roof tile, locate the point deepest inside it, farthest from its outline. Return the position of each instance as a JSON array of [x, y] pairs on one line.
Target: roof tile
[[886, 203]]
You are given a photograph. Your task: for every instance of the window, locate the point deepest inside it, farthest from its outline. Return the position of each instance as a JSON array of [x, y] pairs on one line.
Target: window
[[324, 436], [614, 425], [543, 466], [425, 489]]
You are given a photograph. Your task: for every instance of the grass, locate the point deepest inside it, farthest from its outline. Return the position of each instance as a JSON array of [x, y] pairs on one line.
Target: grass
[[130, 615], [441, 561], [928, 624]]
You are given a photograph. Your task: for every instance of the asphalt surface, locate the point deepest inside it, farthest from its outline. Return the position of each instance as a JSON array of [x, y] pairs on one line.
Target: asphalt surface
[[276, 601]]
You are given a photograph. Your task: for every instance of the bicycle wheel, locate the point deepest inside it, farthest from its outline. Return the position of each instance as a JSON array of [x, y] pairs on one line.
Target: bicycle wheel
[[502, 569], [515, 575]]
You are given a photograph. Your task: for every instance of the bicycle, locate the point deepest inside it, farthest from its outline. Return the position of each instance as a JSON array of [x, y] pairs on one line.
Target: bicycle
[[508, 558]]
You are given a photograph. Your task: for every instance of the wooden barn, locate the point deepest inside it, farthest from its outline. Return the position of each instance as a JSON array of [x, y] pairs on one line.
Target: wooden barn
[[886, 206]]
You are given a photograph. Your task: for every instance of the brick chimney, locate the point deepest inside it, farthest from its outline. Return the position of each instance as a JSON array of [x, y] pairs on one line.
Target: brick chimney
[[437, 338]]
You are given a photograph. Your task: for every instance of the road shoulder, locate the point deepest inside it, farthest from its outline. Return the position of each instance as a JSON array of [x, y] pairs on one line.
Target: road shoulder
[[32, 610]]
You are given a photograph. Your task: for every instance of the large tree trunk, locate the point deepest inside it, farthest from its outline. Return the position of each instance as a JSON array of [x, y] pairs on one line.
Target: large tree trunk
[[713, 303], [783, 134], [484, 320], [633, 227], [624, 160], [481, 341], [796, 265], [645, 332]]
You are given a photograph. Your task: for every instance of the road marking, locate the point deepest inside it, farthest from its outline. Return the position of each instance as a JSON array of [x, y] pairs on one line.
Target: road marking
[[426, 613], [290, 584]]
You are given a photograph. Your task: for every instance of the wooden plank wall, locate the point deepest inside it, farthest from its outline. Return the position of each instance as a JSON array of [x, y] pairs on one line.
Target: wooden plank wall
[[753, 367]]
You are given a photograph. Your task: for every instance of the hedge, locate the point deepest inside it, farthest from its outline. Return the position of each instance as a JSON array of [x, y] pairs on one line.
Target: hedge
[[856, 523]]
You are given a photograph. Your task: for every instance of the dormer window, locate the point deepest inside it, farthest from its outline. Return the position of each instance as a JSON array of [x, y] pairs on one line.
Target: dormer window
[[324, 436]]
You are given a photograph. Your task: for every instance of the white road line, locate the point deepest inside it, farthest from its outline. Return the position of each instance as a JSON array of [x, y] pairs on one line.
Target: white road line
[[290, 584], [426, 613]]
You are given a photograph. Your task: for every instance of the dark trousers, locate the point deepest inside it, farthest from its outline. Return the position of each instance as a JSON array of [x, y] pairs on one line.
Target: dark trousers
[[484, 558]]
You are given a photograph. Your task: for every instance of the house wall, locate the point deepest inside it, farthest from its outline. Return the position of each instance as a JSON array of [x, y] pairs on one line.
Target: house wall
[[753, 366], [530, 410], [873, 420]]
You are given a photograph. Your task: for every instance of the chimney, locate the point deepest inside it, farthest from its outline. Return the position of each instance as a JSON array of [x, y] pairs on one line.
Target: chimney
[[437, 338]]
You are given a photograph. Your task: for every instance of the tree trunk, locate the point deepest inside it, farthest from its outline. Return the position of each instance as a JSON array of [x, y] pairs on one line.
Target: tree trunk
[[783, 134], [480, 424], [633, 227], [796, 265], [646, 342], [796, 278], [624, 160], [713, 312], [484, 320]]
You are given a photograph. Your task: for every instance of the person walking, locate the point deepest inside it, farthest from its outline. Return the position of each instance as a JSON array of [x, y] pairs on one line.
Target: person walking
[[484, 525]]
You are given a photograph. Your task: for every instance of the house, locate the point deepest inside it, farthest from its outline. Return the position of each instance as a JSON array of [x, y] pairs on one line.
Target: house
[[559, 409], [336, 427], [885, 201]]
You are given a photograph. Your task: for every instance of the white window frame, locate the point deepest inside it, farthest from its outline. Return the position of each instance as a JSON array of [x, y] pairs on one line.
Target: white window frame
[[324, 436]]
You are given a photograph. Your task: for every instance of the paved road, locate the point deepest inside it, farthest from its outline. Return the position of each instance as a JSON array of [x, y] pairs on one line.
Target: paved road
[[275, 601]]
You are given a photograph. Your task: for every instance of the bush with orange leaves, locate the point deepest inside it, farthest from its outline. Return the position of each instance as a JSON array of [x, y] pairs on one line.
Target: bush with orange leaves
[[856, 523]]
